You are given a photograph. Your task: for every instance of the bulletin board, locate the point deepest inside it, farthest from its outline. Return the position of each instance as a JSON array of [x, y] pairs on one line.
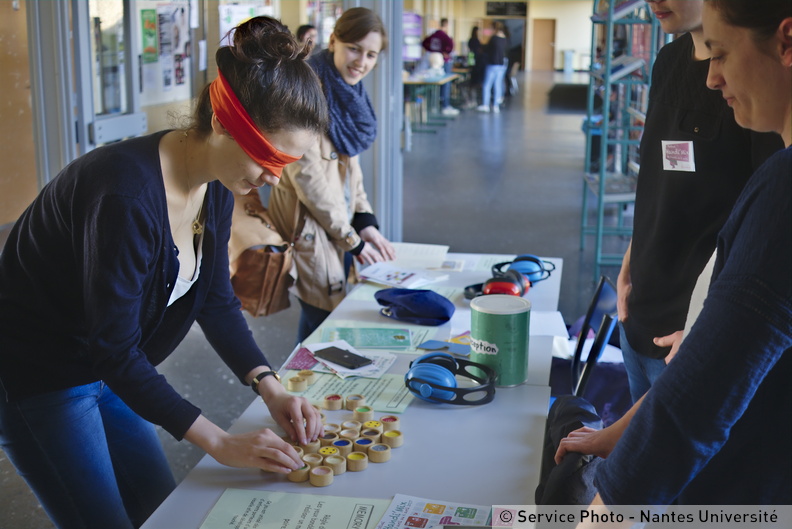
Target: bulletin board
[[165, 50]]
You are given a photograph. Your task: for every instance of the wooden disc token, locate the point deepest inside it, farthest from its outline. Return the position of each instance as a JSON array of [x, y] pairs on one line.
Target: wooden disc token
[[308, 375], [390, 422], [373, 425], [297, 384], [349, 434], [299, 475], [337, 462], [333, 402], [357, 461], [355, 401], [321, 476], [312, 447], [313, 460], [328, 451], [351, 425], [393, 438], [379, 453], [344, 446], [328, 438], [363, 413]]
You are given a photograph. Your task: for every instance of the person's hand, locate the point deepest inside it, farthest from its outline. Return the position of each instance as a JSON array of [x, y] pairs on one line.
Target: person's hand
[[298, 418], [672, 340], [369, 255], [261, 449], [588, 441], [372, 236]]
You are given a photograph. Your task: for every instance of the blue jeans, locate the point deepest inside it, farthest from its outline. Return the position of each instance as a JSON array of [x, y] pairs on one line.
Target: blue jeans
[[642, 371], [445, 90], [493, 77], [310, 318], [88, 458]]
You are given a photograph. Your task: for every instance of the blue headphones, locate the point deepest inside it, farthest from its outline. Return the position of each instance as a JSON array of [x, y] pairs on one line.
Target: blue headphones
[[513, 277], [432, 377], [530, 266]]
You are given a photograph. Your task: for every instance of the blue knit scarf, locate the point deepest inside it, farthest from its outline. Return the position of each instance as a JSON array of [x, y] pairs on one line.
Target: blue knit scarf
[[353, 124]]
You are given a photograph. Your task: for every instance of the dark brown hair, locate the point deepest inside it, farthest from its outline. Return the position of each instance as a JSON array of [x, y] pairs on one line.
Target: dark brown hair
[[761, 17], [356, 23], [266, 68], [302, 30]]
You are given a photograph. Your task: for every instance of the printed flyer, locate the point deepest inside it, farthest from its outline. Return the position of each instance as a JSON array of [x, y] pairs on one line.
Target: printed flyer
[[409, 511], [261, 509]]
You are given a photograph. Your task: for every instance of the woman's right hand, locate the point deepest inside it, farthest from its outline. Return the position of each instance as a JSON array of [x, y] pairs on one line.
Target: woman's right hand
[[262, 449]]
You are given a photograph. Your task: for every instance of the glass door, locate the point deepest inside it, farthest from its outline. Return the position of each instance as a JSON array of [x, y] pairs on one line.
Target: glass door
[[108, 105]]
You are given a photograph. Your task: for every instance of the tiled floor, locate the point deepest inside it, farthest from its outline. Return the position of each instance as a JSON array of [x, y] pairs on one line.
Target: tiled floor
[[498, 183]]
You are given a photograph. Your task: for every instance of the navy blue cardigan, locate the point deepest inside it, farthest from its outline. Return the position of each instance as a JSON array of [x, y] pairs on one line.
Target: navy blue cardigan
[[85, 279]]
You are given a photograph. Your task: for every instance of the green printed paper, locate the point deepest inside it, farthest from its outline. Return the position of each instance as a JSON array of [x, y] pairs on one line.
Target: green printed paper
[[373, 338], [387, 394]]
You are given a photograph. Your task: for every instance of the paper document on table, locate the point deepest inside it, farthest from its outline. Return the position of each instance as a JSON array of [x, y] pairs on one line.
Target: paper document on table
[[239, 508], [409, 511], [415, 255], [386, 394], [401, 277], [368, 337], [381, 361]]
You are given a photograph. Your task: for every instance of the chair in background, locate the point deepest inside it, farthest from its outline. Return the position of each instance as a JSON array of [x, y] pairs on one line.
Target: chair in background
[[601, 315]]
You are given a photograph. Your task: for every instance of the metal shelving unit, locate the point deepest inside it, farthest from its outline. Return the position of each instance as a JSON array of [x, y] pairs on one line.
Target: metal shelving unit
[[620, 75]]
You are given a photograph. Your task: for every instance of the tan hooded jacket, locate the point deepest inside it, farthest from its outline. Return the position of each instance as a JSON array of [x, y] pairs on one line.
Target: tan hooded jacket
[[329, 188]]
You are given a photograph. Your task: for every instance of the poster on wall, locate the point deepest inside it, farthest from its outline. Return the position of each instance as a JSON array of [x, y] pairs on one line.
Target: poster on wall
[[165, 51], [148, 28], [165, 33], [411, 29], [231, 15]]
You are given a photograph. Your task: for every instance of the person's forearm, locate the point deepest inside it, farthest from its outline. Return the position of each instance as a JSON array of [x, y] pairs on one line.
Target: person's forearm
[[205, 434], [268, 386], [624, 421]]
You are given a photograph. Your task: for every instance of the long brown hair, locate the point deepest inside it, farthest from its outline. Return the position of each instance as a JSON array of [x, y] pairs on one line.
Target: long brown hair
[[266, 68]]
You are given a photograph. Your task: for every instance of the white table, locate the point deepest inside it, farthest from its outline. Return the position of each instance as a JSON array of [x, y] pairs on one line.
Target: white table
[[485, 455]]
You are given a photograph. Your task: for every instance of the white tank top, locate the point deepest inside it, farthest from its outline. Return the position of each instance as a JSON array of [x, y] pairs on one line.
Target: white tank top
[[182, 285]]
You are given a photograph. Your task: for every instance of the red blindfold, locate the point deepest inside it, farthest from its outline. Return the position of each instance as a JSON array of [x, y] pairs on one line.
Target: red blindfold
[[233, 116]]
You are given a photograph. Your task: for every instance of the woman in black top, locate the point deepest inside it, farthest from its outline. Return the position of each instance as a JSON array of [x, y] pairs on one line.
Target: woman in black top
[[495, 57]]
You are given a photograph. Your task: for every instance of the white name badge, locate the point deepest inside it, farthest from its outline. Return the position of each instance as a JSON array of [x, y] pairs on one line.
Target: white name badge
[[678, 156]]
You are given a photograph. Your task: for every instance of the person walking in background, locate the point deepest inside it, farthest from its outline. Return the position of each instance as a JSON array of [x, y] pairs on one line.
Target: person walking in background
[[477, 69], [336, 220], [441, 42], [111, 265], [495, 59]]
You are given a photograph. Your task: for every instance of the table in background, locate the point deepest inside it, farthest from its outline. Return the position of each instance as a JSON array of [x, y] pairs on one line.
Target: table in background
[[428, 112], [484, 455]]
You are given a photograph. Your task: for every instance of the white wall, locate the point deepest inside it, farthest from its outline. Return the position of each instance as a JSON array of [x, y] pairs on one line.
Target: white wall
[[573, 28]]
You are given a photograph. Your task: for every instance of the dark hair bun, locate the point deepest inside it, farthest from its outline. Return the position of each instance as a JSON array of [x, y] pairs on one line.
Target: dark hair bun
[[264, 39]]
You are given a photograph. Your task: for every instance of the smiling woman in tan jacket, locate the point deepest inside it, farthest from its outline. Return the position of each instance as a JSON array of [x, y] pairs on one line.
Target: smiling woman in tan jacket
[[335, 220]]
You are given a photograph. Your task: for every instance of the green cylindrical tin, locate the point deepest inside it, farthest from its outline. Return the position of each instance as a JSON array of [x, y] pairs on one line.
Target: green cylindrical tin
[[499, 336]]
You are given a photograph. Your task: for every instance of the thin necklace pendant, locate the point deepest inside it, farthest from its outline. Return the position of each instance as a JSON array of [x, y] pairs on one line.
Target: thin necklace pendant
[[197, 227]]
